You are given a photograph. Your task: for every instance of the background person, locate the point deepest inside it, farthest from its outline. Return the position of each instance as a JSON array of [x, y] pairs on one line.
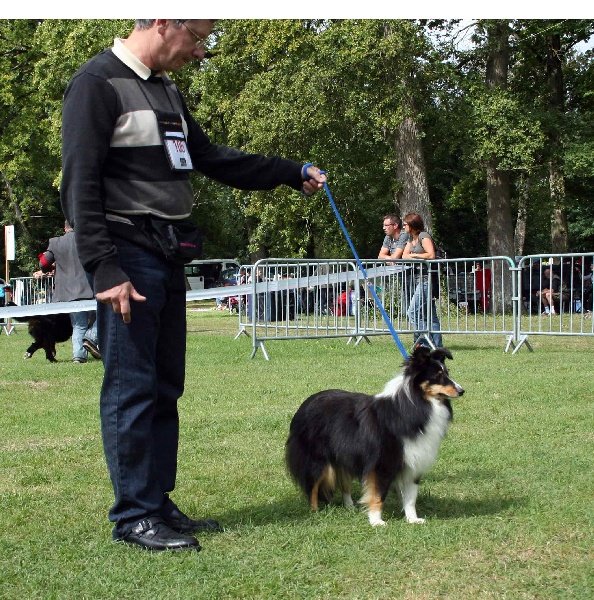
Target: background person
[[421, 246], [393, 247], [70, 284], [546, 295], [128, 146], [395, 238]]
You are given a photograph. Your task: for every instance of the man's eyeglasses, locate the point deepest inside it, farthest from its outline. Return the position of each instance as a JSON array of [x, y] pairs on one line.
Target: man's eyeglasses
[[390, 225], [200, 43]]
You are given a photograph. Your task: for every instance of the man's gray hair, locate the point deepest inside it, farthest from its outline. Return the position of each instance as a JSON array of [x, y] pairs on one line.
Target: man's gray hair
[[148, 23]]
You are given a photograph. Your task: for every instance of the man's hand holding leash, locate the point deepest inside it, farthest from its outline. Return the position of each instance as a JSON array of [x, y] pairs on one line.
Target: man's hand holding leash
[[313, 179]]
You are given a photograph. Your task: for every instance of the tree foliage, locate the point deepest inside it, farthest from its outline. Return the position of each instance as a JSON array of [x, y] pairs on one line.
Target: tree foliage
[[333, 92]]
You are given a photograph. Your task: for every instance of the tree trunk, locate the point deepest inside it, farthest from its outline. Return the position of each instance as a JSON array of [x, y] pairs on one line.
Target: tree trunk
[[558, 214], [501, 239], [411, 171], [258, 251], [520, 233], [556, 176], [499, 216]]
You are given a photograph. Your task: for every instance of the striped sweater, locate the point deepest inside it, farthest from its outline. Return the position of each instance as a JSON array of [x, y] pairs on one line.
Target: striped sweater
[[114, 165]]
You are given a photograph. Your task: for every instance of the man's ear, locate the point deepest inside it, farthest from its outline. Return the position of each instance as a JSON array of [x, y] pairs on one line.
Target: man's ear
[[162, 25]]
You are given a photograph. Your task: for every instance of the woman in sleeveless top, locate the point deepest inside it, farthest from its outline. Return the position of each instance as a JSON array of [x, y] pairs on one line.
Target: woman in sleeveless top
[[421, 246]]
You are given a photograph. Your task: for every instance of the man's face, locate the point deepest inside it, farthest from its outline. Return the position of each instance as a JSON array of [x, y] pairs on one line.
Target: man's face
[[182, 45], [390, 228]]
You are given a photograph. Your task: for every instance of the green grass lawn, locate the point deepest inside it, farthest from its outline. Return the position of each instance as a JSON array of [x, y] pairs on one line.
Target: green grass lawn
[[509, 502]]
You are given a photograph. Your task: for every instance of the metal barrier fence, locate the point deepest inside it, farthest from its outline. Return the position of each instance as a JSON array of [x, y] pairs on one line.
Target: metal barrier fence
[[307, 299], [31, 290], [569, 277]]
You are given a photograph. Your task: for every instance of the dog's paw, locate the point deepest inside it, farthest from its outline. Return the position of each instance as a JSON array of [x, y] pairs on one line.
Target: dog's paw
[[27, 355], [375, 520], [378, 523], [417, 520]]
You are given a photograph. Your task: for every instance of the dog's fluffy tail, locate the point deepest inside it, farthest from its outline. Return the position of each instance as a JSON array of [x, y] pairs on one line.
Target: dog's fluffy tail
[[308, 473], [296, 459]]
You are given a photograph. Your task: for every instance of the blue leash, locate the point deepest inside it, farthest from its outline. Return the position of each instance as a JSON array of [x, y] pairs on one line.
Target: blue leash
[[360, 265]]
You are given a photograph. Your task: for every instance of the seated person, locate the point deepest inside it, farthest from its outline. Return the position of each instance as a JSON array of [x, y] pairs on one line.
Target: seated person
[[342, 305], [552, 295]]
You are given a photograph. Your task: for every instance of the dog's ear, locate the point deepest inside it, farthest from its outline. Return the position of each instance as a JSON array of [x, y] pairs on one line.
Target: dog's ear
[[441, 353]]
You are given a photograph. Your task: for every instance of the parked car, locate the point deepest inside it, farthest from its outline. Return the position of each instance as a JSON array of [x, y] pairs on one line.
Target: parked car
[[205, 274], [228, 276]]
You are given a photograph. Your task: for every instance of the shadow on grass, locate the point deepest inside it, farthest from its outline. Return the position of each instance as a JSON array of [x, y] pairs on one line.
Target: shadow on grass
[[474, 346], [295, 508], [445, 508]]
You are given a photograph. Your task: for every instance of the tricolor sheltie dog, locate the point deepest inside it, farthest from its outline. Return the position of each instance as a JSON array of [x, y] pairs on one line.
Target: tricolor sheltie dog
[[336, 436]]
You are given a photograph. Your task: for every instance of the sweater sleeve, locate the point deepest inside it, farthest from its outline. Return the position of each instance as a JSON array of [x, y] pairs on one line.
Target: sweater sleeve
[[238, 169], [89, 116]]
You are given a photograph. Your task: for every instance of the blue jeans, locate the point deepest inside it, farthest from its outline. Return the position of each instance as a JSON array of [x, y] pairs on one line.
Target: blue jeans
[[417, 311], [144, 365], [80, 330]]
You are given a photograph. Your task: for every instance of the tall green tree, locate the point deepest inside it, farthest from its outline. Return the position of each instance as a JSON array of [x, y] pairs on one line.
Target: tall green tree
[[545, 78], [499, 216], [511, 128], [398, 114], [25, 179], [335, 93], [37, 60]]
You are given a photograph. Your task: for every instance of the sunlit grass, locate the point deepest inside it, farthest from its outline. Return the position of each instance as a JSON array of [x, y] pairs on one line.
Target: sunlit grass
[[508, 504]]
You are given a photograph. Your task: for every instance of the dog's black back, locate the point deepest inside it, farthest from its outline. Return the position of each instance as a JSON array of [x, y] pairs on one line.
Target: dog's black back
[[47, 331]]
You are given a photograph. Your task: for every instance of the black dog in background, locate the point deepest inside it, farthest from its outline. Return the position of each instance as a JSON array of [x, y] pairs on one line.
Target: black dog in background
[[46, 331]]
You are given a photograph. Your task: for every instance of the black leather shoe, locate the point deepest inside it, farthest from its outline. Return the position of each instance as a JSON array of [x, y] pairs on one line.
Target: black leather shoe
[[154, 534], [183, 524]]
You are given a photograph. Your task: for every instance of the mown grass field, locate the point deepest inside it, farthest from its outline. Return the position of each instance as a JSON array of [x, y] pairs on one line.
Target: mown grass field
[[509, 503]]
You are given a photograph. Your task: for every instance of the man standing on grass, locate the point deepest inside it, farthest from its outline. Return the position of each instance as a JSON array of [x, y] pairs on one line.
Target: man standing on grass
[[70, 284], [129, 143]]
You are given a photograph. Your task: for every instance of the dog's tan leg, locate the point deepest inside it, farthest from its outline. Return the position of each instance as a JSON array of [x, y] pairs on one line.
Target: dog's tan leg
[[313, 497], [372, 498], [327, 482]]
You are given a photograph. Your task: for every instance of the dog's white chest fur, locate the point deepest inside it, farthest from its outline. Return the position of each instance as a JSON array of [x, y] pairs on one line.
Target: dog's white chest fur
[[420, 452]]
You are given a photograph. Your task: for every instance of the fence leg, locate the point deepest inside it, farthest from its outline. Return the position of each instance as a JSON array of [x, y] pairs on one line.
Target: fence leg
[[259, 345], [425, 337], [522, 341], [241, 331]]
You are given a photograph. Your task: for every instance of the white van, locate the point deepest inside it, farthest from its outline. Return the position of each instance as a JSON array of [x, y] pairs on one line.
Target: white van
[[205, 274]]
